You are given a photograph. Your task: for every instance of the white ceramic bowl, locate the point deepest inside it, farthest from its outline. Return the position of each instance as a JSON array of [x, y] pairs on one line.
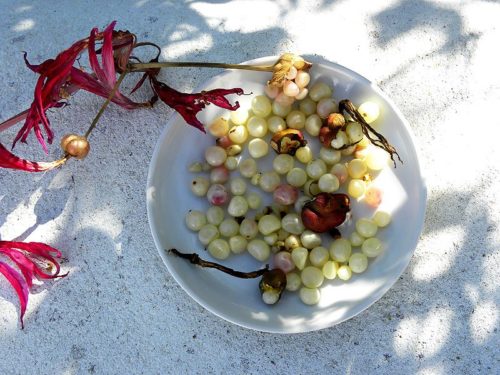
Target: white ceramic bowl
[[238, 301]]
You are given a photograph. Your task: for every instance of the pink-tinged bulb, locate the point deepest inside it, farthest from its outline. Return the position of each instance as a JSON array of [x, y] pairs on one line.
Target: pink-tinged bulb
[[224, 142], [284, 99], [217, 195], [285, 194], [290, 89], [219, 175], [373, 196], [292, 73], [283, 261], [340, 171], [361, 152], [272, 91]]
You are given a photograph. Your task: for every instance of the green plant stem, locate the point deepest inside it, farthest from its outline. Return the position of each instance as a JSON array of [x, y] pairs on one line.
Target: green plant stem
[[106, 103], [137, 67]]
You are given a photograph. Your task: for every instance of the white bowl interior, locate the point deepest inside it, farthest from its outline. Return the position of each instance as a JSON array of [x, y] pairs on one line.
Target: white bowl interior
[[238, 301]]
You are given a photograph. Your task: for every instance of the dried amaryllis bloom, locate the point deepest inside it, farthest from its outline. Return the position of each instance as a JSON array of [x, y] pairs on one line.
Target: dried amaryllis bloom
[[188, 105], [9, 160], [287, 141], [59, 78], [286, 62], [325, 212], [115, 52], [33, 259]]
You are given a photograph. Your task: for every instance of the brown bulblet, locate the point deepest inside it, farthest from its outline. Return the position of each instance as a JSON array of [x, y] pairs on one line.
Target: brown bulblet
[[287, 141], [325, 212], [327, 134]]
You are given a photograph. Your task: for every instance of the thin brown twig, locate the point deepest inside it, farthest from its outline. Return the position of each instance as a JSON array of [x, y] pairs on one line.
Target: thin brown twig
[[377, 139], [196, 260]]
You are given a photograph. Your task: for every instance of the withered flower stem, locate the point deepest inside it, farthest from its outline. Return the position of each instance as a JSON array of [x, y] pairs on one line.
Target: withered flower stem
[[376, 138], [196, 260], [139, 67], [105, 104]]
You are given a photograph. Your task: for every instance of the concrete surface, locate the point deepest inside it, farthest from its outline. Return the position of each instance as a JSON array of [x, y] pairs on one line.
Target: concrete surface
[[119, 311]]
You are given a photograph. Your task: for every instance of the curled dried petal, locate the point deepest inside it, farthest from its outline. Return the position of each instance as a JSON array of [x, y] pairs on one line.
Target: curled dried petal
[[19, 285], [31, 258], [9, 160], [188, 105]]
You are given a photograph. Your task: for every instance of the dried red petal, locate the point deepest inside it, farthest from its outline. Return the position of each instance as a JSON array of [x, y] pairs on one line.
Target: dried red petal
[[103, 79], [9, 160], [28, 257], [19, 285], [188, 105]]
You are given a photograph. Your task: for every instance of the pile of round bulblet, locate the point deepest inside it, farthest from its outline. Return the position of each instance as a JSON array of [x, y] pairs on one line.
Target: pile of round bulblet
[[234, 182]]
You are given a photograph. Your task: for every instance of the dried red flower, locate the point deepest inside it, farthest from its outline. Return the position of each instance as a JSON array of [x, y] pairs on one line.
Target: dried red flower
[[188, 105], [9, 160], [117, 45], [52, 86], [59, 78], [33, 259]]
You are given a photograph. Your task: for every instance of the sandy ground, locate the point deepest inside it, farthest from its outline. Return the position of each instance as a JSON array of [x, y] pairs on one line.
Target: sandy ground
[[119, 310]]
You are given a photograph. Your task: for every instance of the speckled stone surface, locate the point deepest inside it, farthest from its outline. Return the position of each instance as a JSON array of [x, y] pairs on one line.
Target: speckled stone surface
[[119, 311]]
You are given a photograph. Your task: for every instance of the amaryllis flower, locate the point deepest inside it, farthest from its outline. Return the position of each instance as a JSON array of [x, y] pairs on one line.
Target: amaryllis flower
[[50, 89], [9, 160], [59, 78], [33, 260], [188, 105], [117, 46]]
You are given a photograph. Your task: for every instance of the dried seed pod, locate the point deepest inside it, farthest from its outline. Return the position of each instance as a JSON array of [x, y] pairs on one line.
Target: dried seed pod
[[288, 141], [75, 145]]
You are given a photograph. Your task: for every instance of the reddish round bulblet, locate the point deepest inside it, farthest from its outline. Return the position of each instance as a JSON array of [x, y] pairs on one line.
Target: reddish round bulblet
[[283, 261], [219, 175], [373, 196], [285, 194], [325, 212], [224, 142], [217, 195]]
